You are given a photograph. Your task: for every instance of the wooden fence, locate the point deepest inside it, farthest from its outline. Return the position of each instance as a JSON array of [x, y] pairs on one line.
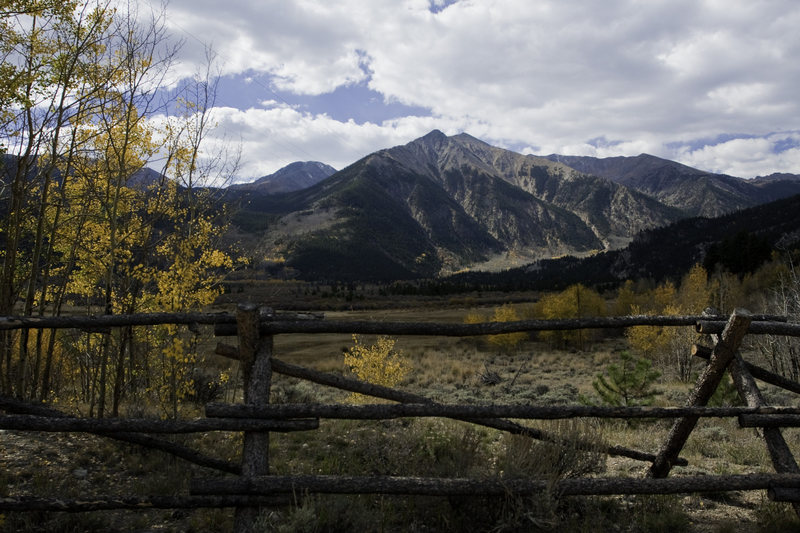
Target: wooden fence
[[251, 487]]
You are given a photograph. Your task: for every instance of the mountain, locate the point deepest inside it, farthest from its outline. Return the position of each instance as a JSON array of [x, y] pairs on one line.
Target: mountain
[[741, 239], [145, 177], [439, 204], [140, 179], [693, 191], [293, 177], [776, 176], [778, 185]]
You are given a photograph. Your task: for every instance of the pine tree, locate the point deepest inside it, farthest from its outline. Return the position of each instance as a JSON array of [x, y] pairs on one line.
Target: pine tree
[[628, 383]]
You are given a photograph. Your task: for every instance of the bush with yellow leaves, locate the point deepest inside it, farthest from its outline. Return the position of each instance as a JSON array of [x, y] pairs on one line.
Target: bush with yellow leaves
[[379, 363]]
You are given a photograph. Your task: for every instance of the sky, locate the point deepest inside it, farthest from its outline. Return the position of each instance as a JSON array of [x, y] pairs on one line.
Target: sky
[[709, 83]]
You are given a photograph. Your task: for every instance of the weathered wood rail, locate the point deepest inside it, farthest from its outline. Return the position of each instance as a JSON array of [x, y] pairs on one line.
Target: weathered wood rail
[[253, 487]]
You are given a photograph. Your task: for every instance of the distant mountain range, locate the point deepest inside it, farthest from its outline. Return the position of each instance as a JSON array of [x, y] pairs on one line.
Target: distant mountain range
[[293, 177], [742, 240], [440, 204], [695, 192]]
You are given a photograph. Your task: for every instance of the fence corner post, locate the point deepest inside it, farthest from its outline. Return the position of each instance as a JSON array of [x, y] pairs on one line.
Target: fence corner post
[[255, 351], [707, 383]]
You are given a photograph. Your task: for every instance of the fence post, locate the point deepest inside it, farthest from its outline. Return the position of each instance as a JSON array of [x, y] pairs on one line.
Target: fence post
[[723, 352], [782, 459], [256, 352]]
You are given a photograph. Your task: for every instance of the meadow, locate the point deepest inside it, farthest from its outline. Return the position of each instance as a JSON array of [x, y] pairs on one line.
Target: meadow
[[448, 370]]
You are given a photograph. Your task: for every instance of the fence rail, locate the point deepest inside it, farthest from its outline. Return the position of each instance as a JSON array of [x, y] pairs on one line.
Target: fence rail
[[289, 322], [529, 412], [465, 487], [254, 487]]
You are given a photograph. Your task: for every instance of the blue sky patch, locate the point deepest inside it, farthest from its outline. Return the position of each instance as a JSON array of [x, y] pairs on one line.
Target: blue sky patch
[[440, 5], [355, 102]]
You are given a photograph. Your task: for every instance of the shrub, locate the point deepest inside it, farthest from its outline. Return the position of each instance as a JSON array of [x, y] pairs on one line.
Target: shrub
[[379, 363]]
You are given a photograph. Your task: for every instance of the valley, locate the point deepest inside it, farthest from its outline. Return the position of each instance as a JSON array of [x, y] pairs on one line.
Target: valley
[[247, 285], [446, 230]]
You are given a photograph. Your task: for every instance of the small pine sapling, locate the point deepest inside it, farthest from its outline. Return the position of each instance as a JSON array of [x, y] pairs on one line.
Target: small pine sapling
[[628, 383]]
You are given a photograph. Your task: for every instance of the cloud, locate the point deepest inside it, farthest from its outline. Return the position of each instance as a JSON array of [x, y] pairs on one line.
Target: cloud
[[273, 137], [307, 46], [548, 75], [747, 157]]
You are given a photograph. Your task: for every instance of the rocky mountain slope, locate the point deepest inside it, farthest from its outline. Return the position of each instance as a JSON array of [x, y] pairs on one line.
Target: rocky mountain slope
[[737, 241], [439, 204], [693, 191]]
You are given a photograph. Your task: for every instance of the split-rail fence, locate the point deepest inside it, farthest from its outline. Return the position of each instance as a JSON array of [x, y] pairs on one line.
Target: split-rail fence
[[250, 487]]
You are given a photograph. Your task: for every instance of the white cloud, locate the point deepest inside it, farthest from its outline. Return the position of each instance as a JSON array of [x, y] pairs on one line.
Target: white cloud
[[274, 137], [306, 45], [547, 74], [747, 158]]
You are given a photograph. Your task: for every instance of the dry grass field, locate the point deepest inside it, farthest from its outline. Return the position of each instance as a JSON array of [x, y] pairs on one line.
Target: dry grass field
[[449, 370]]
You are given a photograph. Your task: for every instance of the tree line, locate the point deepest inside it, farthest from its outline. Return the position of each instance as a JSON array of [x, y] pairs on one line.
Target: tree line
[[772, 288]]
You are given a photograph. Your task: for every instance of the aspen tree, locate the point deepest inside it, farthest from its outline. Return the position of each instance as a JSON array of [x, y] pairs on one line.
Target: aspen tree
[[77, 101], [506, 341], [576, 301], [44, 46], [671, 345]]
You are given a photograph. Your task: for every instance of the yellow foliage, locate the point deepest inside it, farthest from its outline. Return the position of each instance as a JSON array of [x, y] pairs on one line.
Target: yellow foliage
[[474, 318], [693, 294], [136, 250], [91, 237], [506, 341], [647, 340], [576, 301], [626, 300], [379, 363], [662, 296], [671, 344]]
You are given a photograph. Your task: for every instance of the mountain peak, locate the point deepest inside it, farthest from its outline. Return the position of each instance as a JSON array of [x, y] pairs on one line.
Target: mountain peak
[[292, 177], [437, 137], [434, 139], [433, 135]]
